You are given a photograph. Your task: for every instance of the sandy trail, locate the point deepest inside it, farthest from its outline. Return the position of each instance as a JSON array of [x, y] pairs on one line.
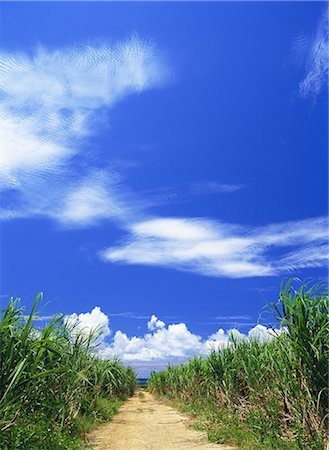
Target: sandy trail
[[145, 423]]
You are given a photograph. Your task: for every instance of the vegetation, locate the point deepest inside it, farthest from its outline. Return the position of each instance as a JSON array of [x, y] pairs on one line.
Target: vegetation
[[53, 387], [262, 395]]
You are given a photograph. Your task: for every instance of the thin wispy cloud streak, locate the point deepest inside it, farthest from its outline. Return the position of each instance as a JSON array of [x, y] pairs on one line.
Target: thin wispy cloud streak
[[317, 61], [130, 315], [53, 102], [233, 317], [186, 192], [218, 249]]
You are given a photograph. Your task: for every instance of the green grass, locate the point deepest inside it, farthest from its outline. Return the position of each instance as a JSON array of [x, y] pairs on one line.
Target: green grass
[[262, 395], [53, 387]]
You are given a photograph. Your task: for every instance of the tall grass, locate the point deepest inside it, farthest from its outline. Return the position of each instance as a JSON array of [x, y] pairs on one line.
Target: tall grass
[[52, 382], [274, 394]]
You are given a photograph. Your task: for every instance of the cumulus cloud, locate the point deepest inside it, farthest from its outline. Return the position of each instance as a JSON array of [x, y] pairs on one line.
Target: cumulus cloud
[[52, 103], [163, 343], [218, 340], [316, 78], [169, 343], [263, 333], [154, 323], [223, 250], [87, 323]]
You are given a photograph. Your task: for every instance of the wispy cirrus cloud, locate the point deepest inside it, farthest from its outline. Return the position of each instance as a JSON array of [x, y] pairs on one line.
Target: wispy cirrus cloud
[[184, 192], [100, 195], [317, 60], [243, 317], [52, 103], [224, 250]]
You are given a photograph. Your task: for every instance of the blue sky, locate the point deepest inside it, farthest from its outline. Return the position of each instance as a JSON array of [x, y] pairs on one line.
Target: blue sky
[[165, 159]]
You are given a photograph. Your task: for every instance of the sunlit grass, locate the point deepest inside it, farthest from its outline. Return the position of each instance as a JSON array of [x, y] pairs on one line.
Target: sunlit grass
[[275, 390], [51, 380]]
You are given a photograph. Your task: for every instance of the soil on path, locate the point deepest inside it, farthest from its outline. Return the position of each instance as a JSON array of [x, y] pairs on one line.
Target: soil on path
[[145, 423]]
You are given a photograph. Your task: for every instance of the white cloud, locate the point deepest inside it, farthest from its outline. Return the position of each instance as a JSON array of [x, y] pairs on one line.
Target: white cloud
[[100, 195], [317, 63], [305, 231], [154, 323], [23, 150], [218, 340], [88, 202], [212, 187], [223, 250], [52, 102], [184, 192], [310, 256], [172, 343], [163, 343], [183, 229], [89, 322], [168, 343], [263, 334], [238, 317]]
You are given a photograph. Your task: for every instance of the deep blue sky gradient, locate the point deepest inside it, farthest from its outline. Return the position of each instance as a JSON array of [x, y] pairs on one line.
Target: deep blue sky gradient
[[230, 113]]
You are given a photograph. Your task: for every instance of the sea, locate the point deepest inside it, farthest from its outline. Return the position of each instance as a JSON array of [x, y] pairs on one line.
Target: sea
[[141, 381]]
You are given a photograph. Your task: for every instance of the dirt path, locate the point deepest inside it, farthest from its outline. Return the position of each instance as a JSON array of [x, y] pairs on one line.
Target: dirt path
[[145, 423]]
